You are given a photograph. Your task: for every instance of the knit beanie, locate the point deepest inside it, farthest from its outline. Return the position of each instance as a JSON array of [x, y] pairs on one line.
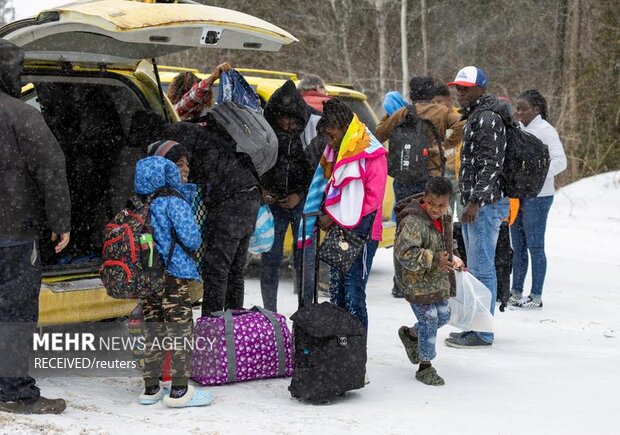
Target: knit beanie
[[421, 88], [169, 149]]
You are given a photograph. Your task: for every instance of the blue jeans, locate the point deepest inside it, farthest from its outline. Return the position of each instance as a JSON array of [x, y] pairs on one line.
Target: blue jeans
[[349, 291], [480, 240], [430, 317], [528, 233], [272, 260]]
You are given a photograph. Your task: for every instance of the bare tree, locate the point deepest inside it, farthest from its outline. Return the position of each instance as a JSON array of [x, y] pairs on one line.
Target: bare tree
[[424, 34], [404, 44], [569, 108], [382, 41], [7, 12]]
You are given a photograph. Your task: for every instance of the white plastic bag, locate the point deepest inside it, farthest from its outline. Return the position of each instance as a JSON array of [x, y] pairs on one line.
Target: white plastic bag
[[471, 308]]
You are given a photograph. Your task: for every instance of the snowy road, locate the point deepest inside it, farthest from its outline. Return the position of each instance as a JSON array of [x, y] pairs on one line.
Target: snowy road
[[550, 371]]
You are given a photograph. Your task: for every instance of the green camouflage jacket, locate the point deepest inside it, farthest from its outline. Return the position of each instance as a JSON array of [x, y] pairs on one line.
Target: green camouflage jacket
[[417, 241]]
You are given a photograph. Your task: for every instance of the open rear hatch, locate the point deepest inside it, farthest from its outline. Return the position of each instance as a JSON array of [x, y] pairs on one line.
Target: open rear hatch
[[113, 31], [74, 48]]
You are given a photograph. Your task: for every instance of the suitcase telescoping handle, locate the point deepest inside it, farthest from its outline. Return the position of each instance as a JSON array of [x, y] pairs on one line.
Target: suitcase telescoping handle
[[315, 293]]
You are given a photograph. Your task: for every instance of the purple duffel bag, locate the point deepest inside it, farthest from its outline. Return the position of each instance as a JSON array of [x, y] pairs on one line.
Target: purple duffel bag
[[241, 345]]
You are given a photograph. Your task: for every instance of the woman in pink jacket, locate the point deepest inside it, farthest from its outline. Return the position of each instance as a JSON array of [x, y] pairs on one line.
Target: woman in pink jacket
[[355, 167]]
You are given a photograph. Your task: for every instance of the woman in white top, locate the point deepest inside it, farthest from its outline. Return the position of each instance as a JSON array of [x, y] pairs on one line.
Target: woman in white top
[[528, 231]]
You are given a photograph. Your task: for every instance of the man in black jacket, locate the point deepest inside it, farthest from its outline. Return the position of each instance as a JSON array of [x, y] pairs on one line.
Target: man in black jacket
[[286, 184], [34, 193], [482, 159], [231, 194]]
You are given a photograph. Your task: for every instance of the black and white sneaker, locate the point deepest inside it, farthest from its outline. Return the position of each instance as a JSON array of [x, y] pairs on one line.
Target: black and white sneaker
[[514, 300], [529, 304]]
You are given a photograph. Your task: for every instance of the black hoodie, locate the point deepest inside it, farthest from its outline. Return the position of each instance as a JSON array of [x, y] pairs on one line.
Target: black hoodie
[[34, 181], [483, 151], [297, 156]]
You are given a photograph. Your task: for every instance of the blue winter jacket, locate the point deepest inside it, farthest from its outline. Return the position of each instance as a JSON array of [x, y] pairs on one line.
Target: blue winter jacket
[[170, 212]]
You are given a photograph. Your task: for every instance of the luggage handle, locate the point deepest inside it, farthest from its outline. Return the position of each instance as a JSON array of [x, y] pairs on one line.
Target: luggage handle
[[315, 295]]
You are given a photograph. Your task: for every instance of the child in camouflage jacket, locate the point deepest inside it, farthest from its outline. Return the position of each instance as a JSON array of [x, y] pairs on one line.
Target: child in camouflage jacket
[[423, 250]]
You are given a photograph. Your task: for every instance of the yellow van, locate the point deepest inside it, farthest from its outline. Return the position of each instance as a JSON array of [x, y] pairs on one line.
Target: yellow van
[[87, 70]]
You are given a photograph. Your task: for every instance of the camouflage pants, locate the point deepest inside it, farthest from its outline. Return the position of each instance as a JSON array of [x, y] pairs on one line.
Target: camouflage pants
[[168, 327]]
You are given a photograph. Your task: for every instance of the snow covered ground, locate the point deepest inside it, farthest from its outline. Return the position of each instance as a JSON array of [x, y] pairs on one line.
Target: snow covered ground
[[553, 371]]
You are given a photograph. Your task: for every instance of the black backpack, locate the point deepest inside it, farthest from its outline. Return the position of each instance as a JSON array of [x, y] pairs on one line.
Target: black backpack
[[526, 163], [409, 150]]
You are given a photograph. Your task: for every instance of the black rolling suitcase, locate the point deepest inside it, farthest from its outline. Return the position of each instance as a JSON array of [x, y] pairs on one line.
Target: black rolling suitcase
[[330, 347]]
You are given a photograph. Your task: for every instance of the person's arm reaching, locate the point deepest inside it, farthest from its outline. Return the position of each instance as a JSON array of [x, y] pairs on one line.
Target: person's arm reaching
[[194, 102]]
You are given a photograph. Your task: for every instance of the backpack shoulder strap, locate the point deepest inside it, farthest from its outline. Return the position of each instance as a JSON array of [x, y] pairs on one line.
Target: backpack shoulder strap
[[163, 192], [430, 126], [411, 117], [176, 241]]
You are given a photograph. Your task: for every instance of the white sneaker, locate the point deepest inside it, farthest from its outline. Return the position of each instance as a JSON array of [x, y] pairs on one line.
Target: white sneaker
[[529, 304]]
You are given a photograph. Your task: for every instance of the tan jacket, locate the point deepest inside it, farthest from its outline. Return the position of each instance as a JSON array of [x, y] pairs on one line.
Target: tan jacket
[[442, 118]]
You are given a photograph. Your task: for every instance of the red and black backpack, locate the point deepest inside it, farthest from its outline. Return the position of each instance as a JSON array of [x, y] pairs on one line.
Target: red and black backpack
[[131, 264]]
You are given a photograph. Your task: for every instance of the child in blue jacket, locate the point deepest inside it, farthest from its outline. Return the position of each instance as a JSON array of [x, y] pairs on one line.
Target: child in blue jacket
[[168, 310]]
